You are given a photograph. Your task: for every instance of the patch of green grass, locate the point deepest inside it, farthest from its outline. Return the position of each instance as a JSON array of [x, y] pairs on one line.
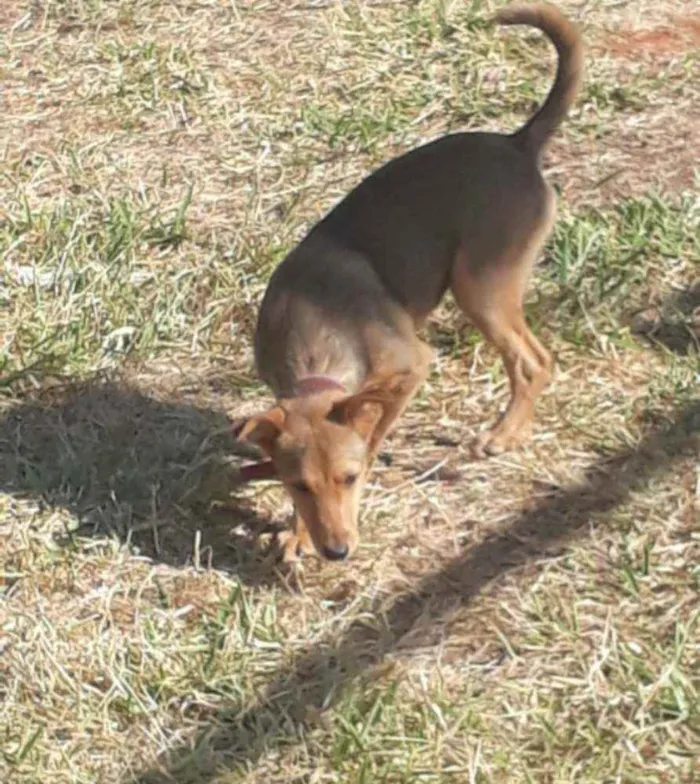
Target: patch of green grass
[[158, 163], [602, 266], [146, 76], [89, 283]]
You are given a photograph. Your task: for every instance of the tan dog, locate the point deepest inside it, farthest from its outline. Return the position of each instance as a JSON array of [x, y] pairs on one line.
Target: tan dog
[[336, 335]]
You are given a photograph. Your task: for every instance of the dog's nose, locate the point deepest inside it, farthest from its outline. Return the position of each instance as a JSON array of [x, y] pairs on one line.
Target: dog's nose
[[337, 553]]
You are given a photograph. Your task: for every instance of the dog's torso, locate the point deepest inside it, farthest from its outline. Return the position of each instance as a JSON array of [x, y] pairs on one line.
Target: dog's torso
[[350, 297]]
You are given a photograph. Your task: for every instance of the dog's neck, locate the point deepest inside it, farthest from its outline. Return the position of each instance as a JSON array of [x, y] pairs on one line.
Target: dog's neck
[[312, 385]]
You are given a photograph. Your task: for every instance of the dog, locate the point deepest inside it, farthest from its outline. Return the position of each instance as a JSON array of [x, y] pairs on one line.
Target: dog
[[336, 333]]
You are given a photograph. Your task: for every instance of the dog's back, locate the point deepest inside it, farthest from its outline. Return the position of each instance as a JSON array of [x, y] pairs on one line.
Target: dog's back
[[410, 217], [406, 221]]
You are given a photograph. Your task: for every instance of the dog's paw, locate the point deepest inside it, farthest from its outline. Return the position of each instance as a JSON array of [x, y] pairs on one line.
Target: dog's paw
[[484, 446], [292, 549], [494, 442]]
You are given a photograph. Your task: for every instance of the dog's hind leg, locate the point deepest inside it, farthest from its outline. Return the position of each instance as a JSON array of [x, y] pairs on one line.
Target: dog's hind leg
[[492, 298]]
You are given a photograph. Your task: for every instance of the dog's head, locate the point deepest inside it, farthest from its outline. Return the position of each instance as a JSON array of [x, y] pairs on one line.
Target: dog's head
[[320, 450]]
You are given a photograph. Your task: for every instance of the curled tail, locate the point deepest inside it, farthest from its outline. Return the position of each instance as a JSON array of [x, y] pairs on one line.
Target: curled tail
[[535, 134]]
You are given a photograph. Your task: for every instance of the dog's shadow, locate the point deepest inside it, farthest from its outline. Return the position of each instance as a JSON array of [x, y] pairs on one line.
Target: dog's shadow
[[674, 322], [155, 474]]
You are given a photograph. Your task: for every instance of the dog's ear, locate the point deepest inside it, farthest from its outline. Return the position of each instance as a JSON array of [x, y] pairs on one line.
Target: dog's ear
[[363, 411], [264, 429]]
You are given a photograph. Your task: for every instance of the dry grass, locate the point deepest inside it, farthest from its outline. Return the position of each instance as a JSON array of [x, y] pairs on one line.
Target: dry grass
[[533, 618]]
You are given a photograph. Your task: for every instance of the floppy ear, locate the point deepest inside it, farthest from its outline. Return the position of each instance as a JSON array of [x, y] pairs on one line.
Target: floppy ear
[[264, 429], [363, 411]]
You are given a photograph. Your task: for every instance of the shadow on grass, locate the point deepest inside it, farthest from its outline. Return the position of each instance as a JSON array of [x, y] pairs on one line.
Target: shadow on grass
[[237, 739], [675, 323], [149, 472]]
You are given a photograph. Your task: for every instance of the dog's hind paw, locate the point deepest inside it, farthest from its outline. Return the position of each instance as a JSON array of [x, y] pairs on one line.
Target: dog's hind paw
[[494, 442]]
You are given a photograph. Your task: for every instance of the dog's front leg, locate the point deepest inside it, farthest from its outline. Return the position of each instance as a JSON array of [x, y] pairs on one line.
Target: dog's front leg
[[297, 541], [401, 397]]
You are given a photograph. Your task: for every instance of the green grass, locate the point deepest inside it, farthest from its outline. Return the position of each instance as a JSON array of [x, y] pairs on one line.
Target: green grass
[[532, 618], [606, 264], [92, 283]]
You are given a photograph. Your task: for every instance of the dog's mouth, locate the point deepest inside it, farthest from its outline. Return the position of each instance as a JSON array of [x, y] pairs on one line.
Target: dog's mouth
[[264, 469]]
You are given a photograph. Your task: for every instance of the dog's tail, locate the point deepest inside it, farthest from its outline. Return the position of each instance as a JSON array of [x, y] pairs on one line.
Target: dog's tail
[[536, 132]]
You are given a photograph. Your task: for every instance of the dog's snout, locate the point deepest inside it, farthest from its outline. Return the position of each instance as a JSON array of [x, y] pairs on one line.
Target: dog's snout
[[337, 553]]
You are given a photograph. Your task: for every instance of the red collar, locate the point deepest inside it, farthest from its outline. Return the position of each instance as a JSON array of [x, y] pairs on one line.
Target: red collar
[[311, 385]]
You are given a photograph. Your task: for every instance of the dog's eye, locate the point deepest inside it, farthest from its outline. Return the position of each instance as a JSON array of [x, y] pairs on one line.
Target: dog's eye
[[302, 487], [350, 480]]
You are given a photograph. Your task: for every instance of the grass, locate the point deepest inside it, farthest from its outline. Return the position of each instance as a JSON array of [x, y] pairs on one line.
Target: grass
[[532, 618]]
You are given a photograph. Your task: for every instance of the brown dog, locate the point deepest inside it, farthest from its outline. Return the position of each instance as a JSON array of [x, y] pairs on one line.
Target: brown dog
[[336, 335]]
